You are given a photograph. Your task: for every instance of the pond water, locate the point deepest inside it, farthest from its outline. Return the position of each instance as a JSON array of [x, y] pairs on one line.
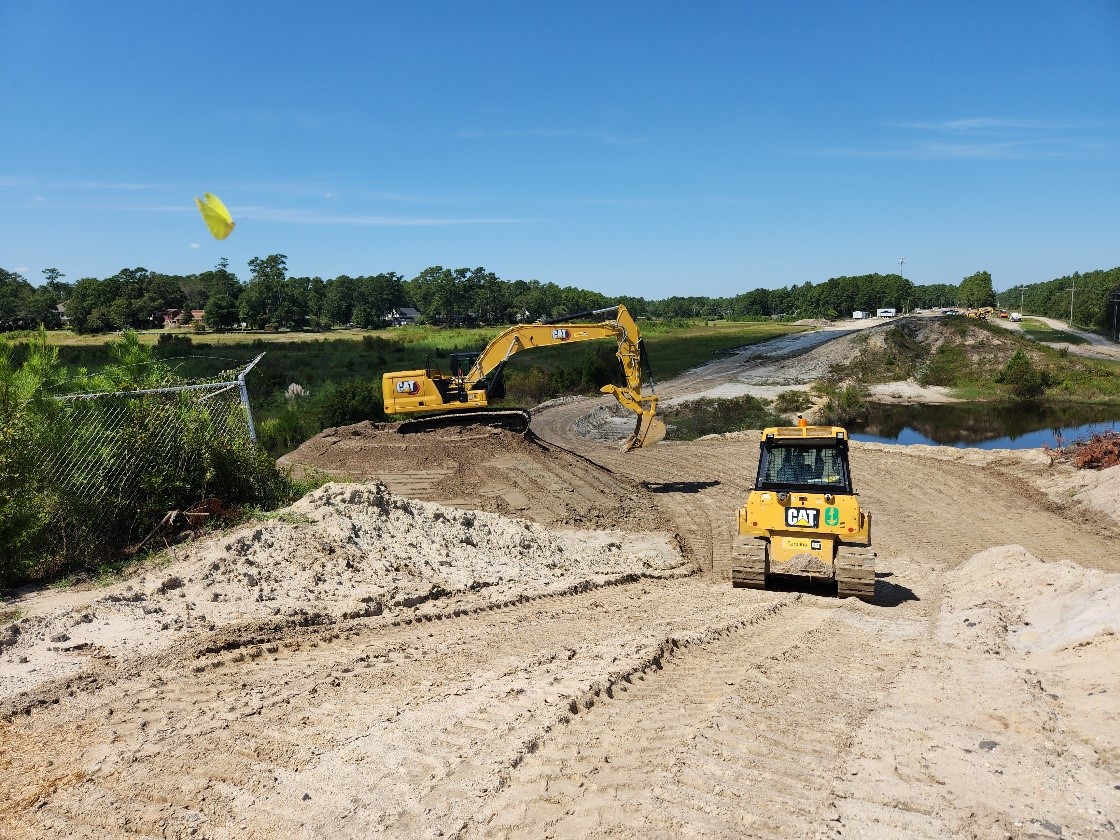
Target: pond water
[[984, 425]]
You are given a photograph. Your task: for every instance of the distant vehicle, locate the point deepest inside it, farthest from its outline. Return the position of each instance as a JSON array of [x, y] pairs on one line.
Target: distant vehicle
[[1016, 316], [859, 314], [1003, 313], [886, 313]]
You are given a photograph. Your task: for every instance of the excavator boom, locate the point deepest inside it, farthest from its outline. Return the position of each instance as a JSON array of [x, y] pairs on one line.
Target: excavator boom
[[469, 390]]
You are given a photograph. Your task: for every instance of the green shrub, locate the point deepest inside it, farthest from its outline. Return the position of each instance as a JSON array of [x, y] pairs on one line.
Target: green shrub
[[1025, 380], [845, 406], [948, 366], [528, 387], [696, 418], [170, 345], [350, 402], [793, 402], [81, 480]]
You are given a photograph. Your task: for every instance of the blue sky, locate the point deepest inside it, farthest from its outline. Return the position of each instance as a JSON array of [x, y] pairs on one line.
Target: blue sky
[[648, 148]]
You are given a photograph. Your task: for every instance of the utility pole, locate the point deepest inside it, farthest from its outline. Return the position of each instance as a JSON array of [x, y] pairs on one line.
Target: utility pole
[[1072, 288], [1022, 295], [901, 260], [1115, 300]]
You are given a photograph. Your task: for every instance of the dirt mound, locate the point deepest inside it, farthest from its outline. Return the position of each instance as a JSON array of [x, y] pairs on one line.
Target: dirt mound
[[341, 552], [484, 468], [1024, 649]]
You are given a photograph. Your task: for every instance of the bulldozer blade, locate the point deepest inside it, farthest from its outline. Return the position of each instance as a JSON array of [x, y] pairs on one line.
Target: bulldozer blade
[[649, 430]]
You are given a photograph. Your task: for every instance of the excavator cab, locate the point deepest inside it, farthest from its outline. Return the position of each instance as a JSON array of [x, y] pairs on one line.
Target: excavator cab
[[461, 363]]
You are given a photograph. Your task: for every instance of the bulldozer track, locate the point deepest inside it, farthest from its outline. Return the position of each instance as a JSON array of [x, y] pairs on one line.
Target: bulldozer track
[[855, 573], [748, 563], [515, 420]]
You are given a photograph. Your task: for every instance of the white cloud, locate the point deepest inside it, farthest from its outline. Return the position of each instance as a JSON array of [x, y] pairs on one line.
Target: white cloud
[[195, 245], [279, 214], [982, 124], [599, 136], [988, 138]]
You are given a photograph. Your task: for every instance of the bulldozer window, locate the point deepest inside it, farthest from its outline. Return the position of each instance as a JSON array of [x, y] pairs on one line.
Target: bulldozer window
[[803, 466]]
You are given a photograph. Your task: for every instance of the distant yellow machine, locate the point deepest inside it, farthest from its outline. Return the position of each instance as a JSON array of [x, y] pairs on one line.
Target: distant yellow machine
[[802, 518], [463, 395]]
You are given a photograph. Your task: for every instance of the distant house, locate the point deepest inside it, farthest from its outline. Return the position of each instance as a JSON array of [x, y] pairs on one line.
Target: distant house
[[60, 308], [403, 316], [177, 317]]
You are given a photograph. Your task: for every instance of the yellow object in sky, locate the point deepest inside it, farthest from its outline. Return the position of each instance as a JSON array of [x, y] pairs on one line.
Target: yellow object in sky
[[215, 214]]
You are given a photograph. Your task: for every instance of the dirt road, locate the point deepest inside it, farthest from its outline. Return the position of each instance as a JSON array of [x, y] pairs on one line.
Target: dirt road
[[595, 695]]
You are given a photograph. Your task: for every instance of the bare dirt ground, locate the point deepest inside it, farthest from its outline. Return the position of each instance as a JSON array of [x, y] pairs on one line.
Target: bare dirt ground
[[536, 638]]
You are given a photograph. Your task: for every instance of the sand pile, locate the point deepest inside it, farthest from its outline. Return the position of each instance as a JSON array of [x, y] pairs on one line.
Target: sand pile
[[1032, 606], [344, 551], [1097, 489], [1011, 717]]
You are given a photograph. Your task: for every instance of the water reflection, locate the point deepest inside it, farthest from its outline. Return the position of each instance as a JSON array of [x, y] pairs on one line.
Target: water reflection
[[984, 425]]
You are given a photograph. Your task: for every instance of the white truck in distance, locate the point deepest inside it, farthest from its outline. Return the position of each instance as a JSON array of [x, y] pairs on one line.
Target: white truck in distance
[[885, 313]]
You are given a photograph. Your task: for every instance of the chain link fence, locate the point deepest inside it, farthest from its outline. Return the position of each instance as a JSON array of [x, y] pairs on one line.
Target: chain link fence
[[114, 460]]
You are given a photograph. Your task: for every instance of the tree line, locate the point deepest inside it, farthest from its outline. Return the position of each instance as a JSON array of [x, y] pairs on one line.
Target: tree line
[[271, 299]]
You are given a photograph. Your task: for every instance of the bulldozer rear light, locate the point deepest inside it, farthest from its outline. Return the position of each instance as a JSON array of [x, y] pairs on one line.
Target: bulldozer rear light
[[851, 530], [828, 497], [755, 524], [783, 496]]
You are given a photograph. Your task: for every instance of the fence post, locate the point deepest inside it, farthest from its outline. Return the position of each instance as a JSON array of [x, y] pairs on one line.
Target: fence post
[[245, 397]]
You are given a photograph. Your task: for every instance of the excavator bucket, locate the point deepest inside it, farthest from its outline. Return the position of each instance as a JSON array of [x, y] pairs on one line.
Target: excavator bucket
[[649, 430]]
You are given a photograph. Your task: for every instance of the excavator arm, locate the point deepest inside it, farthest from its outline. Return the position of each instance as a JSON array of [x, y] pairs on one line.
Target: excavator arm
[[429, 391]]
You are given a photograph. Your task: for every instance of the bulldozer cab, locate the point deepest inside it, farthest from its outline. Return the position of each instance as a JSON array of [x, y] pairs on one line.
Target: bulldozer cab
[[804, 464]]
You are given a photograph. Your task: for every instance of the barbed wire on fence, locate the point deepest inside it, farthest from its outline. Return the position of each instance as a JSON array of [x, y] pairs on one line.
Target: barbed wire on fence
[[105, 454]]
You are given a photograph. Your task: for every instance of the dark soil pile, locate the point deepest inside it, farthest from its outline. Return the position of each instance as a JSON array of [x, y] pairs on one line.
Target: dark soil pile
[[484, 468]]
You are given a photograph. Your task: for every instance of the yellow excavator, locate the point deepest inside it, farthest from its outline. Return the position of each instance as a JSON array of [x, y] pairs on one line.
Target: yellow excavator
[[463, 395]]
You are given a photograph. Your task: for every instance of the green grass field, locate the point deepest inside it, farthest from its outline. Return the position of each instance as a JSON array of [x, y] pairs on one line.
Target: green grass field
[[1040, 331], [323, 364]]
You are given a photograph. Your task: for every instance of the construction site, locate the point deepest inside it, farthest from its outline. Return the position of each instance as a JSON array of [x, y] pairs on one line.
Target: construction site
[[472, 632]]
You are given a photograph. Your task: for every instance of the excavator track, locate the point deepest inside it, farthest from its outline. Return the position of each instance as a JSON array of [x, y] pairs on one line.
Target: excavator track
[[748, 563], [855, 573], [515, 420]]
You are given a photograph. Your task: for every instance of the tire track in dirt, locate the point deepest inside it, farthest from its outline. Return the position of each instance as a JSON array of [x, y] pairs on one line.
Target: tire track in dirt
[[718, 745], [943, 512], [429, 716]]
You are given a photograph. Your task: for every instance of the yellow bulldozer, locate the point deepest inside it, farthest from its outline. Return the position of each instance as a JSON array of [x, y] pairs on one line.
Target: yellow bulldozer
[[463, 395], [802, 518]]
